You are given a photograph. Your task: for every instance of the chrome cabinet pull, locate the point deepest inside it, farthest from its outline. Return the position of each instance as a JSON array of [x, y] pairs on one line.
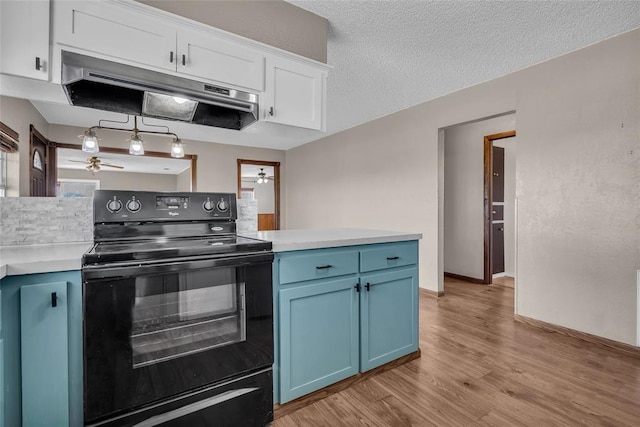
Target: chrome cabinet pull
[[324, 267], [171, 57], [54, 299], [38, 64], [392, 258], [184, 59], [271, 111]]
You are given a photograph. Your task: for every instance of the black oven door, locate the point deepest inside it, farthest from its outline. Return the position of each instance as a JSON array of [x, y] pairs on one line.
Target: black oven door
[[158, 330]]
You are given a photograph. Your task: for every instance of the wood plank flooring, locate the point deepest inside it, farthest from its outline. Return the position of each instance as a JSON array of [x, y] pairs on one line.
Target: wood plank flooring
[[479, 367]]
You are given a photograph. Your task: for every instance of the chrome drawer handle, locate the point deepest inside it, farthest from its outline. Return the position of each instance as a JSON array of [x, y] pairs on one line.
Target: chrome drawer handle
[[392, 258], [324, 267]]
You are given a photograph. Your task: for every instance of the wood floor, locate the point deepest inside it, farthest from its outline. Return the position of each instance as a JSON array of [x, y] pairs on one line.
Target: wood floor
[[504, 281], [480, 367]]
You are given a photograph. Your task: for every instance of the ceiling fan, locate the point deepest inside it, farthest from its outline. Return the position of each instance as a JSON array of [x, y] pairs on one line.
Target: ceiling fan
[[263, 178], [94, 164]]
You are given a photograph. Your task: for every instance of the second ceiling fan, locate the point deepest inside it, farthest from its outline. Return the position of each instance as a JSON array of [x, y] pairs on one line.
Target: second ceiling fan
[[94, 164]]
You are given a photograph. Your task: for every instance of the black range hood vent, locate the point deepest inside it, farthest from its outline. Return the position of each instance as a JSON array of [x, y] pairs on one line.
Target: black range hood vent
[[105, 85]]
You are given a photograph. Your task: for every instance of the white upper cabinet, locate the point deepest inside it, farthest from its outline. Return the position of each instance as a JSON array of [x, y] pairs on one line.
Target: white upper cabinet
[[123, 32], [24, 38], [294, 94], [115, 32], [291, 89], [212, 58]]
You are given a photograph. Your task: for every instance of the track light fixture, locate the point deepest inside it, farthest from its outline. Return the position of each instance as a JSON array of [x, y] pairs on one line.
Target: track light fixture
[[136, 144]]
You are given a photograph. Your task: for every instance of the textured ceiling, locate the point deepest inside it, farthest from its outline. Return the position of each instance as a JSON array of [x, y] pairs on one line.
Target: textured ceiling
[[390, 55]]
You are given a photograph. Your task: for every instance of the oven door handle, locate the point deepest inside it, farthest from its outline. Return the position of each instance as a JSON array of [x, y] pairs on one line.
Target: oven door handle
[[173, 266]]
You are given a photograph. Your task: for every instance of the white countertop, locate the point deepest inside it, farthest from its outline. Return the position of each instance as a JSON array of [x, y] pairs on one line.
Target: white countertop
[[295, 240], [31, 259]]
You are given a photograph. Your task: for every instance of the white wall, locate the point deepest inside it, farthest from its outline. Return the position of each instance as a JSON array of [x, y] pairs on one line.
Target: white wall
[[464, 194], [183, 181], [577, 182], [18, 114], [510, 146], [112, 180]]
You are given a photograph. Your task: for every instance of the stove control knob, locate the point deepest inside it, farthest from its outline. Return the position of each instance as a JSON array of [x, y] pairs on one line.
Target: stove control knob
[[114, 205], [208, 205], [133, 205], [223, 205]]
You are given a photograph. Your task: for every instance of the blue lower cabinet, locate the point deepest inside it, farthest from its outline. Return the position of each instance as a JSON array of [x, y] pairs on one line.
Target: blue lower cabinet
[[45, 385], [319, 336], [42, 358], [388, 316], [329, 329], [1, 383]]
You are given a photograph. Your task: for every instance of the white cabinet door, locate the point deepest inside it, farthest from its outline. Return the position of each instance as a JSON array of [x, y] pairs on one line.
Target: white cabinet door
[[24, 38], [115, 31], [294, 94], [212, 58]]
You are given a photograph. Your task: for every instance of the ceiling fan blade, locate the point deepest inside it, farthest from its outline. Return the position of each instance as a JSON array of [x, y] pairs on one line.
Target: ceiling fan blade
[[78, 161], [112, 166]]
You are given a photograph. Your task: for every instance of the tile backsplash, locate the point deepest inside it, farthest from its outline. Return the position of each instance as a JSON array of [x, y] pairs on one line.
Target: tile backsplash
[[247, 215], [45, 220]]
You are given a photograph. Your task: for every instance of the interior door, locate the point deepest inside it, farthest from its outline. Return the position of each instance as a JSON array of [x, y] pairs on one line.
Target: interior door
[[498, 174], [497, 248], [497, 237], [42, 169]]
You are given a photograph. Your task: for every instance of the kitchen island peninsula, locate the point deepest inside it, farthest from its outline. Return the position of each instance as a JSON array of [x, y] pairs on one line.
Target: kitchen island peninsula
[[345, 302]]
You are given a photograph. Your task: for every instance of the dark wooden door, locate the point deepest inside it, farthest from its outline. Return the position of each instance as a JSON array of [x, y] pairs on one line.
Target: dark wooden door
[[498, 174], [42, 169], [497, 248]]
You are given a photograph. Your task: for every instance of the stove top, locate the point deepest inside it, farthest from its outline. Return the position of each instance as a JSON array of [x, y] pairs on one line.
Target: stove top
[[151, 227], [163, 248]]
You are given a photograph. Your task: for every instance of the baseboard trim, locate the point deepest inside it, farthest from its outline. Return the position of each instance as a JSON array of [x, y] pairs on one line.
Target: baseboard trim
[[584, 336], [464, 278], [301, 402], [431, 294]]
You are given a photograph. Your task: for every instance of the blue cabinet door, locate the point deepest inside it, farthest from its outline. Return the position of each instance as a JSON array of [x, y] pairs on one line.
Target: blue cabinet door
[[389, 316], [45, 379], [23, 353], [318, 336]]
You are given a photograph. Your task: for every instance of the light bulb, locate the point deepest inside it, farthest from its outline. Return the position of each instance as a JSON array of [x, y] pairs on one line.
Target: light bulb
[[135, 147], [177, 148], [179, 100], [90, 142]]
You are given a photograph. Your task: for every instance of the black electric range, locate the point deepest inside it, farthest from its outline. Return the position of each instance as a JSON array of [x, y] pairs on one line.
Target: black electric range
[[178, 313]]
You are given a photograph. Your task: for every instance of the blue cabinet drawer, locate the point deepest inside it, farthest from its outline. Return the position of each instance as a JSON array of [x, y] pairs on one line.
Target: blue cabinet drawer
[[389, 255], [317, 264]]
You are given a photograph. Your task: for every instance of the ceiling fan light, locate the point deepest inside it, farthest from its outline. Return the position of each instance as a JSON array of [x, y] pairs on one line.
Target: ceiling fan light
[[177, 148], [135, 146], [90, 142]]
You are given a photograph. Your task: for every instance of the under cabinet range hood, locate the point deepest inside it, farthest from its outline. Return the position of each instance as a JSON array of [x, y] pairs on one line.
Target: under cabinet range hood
[[105, 85]]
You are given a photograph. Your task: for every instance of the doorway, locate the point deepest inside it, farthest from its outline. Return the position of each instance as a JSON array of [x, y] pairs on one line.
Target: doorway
[[465, 200], [259, 180]]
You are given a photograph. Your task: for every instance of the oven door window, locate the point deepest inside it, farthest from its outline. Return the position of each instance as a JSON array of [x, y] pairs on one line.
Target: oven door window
[[181, 314]]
